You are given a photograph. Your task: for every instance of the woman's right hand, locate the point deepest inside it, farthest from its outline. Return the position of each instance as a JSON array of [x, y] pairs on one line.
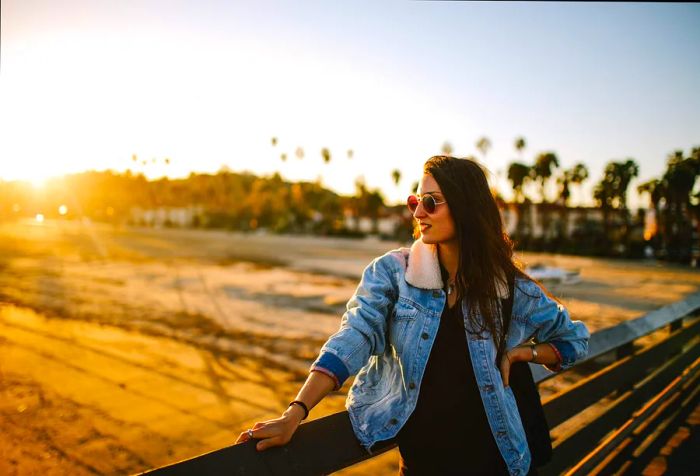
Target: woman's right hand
[[275, 432]]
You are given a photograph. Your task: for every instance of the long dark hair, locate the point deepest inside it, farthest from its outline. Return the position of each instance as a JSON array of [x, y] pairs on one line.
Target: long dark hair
[[485, 250]]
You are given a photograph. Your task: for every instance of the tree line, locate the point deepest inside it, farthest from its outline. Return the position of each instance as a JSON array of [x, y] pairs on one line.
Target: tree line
[[240, 201], [244, 201]]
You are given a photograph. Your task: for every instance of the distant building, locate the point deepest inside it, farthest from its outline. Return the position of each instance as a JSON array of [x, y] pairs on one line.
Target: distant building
[[545, 219], [179, 217]]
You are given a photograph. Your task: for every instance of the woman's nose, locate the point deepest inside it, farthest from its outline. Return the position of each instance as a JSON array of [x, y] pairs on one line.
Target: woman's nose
[[419, 212]]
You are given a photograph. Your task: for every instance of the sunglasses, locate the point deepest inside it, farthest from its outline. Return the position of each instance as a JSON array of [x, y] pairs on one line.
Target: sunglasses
[[429, 203]]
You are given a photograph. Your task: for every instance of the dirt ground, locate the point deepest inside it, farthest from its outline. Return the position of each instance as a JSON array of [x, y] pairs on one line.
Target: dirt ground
[[124, 349]]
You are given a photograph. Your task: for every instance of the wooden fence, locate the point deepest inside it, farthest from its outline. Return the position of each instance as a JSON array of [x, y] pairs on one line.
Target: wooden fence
[[637, 399]]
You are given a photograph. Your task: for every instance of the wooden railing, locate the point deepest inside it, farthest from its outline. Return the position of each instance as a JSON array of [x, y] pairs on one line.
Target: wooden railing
[[647, 391]]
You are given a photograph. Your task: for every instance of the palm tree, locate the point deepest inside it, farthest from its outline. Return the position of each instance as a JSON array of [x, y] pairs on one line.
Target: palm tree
[[326, 154], [358, 200], [611, 193], [520, 145], [577, 174], [396, 176], [518, 174], [625, 172], [653, 188], [374, 203], [545, 164], [603, 195], [678, 183], [542, 170], [446, 148], [483, 144]]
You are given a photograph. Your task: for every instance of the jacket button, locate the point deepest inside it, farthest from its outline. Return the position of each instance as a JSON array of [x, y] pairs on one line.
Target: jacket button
[[436, 294], [424, 335], [412, 385], [393, 421]]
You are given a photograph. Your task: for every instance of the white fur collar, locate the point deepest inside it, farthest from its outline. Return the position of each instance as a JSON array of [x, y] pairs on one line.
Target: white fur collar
[[423, 269]]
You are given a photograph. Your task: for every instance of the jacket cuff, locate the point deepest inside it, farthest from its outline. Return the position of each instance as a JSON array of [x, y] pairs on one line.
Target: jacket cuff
[[566, 353], [331, 365], [554, 367]]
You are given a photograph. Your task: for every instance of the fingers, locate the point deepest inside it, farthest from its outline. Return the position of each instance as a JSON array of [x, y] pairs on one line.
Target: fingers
[[269, 442], [270, 433], [243, 437], [505, 369], [263, 432], [246, 435]]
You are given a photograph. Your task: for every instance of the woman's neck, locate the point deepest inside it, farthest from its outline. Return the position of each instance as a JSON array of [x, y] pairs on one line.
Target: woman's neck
[[448, 254]]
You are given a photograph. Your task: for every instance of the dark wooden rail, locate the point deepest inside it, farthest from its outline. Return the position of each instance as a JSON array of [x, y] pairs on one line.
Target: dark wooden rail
[[649, 388]]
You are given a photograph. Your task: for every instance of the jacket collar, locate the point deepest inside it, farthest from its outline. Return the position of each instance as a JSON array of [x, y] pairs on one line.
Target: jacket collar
[[423, 269]]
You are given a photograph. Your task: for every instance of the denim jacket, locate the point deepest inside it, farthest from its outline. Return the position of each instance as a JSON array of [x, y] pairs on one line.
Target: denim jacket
[[388, 330]]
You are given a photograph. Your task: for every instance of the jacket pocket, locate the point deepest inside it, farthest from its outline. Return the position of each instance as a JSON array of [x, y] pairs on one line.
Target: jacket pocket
[[403, 318]]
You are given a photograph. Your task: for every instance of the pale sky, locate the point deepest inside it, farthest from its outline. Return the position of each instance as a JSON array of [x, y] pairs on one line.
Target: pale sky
[[84, 84]]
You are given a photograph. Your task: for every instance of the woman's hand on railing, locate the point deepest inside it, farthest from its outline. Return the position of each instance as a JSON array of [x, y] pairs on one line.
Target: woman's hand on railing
[[275, 432]]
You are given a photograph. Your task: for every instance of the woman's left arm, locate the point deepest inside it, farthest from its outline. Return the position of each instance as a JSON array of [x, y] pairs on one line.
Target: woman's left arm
[[544, 353], [567, 339], [559, 341]]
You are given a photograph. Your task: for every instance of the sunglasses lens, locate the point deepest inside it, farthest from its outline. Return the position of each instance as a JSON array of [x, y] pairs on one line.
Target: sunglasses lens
[[429, 203], [412, 203]]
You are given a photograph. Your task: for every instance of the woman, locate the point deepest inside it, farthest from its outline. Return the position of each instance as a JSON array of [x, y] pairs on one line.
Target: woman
[[422, 333]]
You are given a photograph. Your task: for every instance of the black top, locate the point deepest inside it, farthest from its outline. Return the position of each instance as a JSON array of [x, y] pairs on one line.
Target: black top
[[448, 432]]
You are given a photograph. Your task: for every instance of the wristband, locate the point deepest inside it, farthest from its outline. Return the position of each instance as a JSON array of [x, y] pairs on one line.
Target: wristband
[[302, 405]]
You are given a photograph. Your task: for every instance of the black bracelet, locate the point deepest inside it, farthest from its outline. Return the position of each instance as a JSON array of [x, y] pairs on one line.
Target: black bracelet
[[302, 405]]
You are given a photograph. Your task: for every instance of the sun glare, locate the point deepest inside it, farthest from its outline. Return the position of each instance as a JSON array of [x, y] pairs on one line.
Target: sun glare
[[39, 218], [38, 181]]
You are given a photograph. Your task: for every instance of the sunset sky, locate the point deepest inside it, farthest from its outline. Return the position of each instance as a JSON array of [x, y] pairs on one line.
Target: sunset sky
[[86, 84]]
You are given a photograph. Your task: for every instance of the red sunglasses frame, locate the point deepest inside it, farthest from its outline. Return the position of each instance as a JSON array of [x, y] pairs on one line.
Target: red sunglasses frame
[[413, 200]]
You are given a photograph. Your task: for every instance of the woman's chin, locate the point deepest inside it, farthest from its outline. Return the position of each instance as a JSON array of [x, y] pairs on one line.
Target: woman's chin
[[431, 239], [428, 240]]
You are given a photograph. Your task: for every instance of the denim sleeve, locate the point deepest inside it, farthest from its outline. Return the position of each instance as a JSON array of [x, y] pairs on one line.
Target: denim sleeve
[[553, 325], [363, 327]]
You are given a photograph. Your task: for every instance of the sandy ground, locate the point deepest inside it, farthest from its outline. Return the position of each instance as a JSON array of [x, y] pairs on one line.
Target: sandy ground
[[126, 349]]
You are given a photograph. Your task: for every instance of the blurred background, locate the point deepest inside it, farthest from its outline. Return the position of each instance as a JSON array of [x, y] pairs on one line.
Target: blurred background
[[189, 192]]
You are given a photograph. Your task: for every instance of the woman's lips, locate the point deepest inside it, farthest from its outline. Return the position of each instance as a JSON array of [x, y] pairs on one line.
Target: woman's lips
[[424, 227]]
